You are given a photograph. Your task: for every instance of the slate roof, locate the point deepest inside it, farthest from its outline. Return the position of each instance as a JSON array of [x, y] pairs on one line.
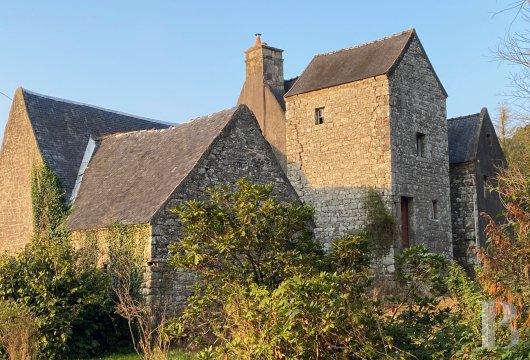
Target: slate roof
[[132, 175], [356, 63], [288, 84], [62, 129], [463, 135]]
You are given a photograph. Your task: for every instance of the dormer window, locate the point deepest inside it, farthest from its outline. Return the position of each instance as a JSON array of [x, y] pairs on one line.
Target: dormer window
[[319, 116], [420, 145]]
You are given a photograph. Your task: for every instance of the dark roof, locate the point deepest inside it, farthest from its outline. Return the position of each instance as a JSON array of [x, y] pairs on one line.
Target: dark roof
[[62, 129], [288, 84], [132, 175], [463, 133], [356, 63]]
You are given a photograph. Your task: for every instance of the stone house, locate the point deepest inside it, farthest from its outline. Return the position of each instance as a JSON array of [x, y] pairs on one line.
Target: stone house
[[127, 175], [475, 156], [41, 128], [138, 177], [370, 116]]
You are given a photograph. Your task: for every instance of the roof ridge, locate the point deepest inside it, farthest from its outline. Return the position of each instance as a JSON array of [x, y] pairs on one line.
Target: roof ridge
[[172, 127], [95, 107], [463, 117], [367, 43], [126, 133], [234, 108]]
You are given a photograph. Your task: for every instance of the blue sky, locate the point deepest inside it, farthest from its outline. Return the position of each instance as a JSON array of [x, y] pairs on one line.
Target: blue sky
[[176, 60]]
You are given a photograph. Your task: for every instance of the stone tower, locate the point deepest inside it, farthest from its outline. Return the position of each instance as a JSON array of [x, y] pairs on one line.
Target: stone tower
[[263, 93], [372, 116]]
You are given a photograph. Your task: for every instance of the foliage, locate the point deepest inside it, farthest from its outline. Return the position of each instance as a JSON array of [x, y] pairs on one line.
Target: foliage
[[381, 225], [416, 322], [172, 355], [517, 149], [315, 314], [266, 290], [18, 331], [64, 296], [316, 305], [505, 273], [49, 208], [126, 244], [246, 236]]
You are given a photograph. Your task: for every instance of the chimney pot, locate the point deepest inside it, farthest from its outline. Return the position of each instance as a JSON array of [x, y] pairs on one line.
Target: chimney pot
[[258, 39]]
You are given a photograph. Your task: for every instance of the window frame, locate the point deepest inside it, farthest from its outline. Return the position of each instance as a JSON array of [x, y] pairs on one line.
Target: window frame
[[420, 144], [435, 210], [319, 115]]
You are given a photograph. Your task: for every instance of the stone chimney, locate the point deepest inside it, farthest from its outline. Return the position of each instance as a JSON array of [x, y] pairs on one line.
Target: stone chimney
[[265, 63], [263, 93]]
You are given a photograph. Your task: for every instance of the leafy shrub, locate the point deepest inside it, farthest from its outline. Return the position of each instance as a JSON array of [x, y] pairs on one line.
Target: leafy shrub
[[315, 314], [246, 236], [417, 323], [505, 263], [126, 244], [266, 289], [381, 225], [69, 300]]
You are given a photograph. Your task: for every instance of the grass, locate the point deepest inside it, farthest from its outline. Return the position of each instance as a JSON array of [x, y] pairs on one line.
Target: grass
[[173, 355]]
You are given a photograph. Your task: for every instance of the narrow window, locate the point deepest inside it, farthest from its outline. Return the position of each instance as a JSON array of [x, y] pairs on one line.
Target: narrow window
[[485, 186], [420, 144], [319, 116], [488, 139], [405, 221], [435, 209]]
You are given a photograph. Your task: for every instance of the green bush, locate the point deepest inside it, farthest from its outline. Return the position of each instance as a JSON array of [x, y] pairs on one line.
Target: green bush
[[417, 323], [267, 291], [245, 236], [266, 288], [69, 300]]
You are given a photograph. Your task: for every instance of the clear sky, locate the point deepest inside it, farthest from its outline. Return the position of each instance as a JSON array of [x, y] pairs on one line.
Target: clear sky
[[176, 60]]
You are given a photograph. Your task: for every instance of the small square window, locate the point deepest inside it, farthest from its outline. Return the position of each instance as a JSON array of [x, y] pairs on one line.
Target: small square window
[[319, 116], [420, 144], [435, 209]]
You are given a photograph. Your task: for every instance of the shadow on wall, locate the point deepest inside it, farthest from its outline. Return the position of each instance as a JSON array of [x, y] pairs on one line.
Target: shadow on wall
[[339, 210]]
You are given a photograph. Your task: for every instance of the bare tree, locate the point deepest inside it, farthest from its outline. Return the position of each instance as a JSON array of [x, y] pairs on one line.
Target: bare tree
[[515, 50], [126, 267], [503, 125]]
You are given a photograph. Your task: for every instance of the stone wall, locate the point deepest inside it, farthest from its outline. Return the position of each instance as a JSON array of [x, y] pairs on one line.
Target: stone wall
[[464, 212], [490, 158], [18, 156], [97, 241], [331, 164], [241, 151], [417, 105]]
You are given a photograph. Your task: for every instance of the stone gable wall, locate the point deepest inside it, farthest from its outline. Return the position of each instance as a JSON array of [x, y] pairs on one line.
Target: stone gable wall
[[18, 156], [464, 212], [490, 158], [331, 164], [417, 105], [240, 152]]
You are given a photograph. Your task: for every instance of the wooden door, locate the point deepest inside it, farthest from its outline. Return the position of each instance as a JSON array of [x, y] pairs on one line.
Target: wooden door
[[405, 222]]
